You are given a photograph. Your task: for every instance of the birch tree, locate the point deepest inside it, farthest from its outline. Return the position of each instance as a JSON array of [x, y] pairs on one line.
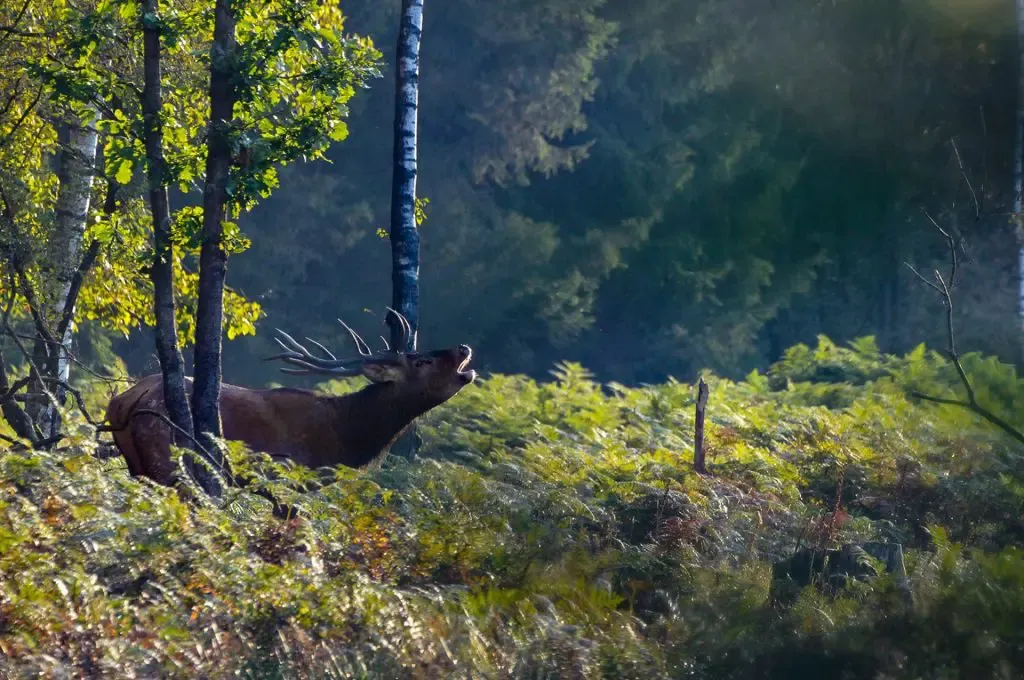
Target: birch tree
[[405, 238], [77, 170], [1018, 163]]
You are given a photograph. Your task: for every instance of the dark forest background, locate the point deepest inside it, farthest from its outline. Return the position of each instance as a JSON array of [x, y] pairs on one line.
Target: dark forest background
[[653, 187]]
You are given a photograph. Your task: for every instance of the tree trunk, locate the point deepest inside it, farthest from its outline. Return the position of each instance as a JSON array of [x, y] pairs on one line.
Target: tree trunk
[[77, 169], [1018, 165], [405, 238], [172, 365], [213, 257]]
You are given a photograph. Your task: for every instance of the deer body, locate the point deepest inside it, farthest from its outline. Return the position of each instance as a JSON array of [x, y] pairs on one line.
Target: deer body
[[303, 426]]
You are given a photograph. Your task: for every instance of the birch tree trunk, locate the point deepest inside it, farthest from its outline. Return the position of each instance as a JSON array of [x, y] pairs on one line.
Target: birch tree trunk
[[405, 238], [212, 256], [76, 173], [172, 365], [1018, 165]]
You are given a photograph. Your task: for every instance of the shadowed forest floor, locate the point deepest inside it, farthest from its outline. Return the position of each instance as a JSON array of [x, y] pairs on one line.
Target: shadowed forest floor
[[553, 530]]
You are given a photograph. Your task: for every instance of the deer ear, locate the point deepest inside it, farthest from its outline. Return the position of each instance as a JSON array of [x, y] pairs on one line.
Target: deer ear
[[380, 373]]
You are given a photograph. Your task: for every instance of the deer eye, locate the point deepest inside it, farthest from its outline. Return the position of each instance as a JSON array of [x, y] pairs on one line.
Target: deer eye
[[422, 362]]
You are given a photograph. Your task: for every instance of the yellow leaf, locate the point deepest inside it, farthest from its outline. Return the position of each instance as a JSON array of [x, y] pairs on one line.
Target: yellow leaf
[[124, 172]]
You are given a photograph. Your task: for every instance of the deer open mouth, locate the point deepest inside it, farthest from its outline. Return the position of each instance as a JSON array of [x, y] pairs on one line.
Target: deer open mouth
[[467, 374]]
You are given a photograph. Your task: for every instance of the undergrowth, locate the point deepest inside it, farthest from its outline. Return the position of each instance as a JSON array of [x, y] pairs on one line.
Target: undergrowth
[[552, 530]]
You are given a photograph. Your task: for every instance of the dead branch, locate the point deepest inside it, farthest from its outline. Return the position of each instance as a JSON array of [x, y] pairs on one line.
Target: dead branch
[[81, 364], [967, 180], [944, 287], [30, 361]]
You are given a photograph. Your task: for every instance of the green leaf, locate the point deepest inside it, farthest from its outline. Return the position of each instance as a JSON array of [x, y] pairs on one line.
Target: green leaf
[[124, 172]]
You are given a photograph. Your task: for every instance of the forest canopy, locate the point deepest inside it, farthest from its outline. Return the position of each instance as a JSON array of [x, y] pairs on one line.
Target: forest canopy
[[711, 181]]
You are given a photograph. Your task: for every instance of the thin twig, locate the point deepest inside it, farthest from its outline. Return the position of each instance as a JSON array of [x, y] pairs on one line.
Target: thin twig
[[6, 35], [170, 423], [13, 98], [921, 277], [11, 440], [967, 180], [944, 287], [10, 391], [977, 408], [11, 30], [79, 400], [78, 362], [24, 114]]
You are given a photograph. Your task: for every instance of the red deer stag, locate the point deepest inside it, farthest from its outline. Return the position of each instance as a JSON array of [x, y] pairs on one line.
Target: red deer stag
[[306, 427]]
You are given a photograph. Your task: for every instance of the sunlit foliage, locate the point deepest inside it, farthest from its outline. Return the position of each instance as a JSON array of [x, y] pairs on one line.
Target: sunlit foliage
[[297, 69], [552, 530]]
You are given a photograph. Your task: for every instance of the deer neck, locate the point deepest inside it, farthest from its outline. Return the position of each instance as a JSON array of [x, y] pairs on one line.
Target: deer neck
[[369, 421]]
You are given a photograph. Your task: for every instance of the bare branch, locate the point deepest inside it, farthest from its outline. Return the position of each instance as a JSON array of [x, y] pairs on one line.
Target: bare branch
[[944, 288], [11, 440], [976, 408], [13, 413], [10, 390], [31, 363], [967, 180], [921, 277], [934, 223], [78, 362], [11, 30]]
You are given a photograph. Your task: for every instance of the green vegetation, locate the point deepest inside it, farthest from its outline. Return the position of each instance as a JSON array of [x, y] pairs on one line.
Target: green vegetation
[[711, 180], [553, 530]]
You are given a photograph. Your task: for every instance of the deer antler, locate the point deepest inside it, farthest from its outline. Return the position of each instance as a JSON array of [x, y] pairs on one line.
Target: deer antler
[[406, 330], [306, 362], [361, 346], [297, 355]]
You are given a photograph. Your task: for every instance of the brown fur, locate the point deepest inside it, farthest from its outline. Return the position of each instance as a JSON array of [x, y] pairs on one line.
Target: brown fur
[[306, 427]]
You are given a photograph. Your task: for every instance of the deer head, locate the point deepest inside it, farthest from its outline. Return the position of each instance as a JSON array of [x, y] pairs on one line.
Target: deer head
[[434, 376]]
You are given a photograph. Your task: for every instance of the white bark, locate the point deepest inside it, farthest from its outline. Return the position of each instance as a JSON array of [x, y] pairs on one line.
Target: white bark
[[77, 170], [1018, 162], [405, 238]]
